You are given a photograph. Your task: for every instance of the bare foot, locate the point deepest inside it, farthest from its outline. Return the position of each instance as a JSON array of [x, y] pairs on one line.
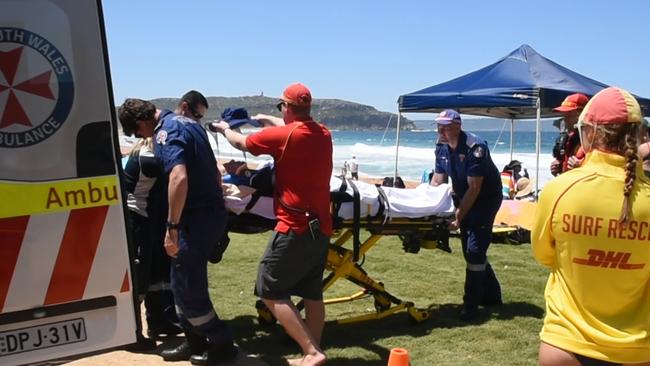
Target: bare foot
[[294, 361], [316, 359]]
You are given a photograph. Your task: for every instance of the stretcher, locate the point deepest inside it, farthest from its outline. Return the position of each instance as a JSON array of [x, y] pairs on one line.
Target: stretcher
[[419, 217]]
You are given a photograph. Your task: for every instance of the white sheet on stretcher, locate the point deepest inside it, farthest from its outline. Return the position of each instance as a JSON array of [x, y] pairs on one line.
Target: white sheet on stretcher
[[422, 201]]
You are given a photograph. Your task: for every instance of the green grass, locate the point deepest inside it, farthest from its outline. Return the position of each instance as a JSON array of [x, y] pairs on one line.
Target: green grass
[[432, 279]]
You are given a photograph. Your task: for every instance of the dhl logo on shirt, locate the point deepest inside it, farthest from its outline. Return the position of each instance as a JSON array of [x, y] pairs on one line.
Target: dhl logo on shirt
[[611, 259]]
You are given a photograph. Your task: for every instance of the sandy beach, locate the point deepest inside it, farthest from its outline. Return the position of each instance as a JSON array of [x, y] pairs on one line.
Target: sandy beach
[[146, 358], [115, 358]]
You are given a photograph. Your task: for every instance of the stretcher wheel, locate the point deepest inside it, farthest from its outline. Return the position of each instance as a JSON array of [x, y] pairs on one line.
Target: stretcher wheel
[[381, 305], [264, 315], [418, 316]]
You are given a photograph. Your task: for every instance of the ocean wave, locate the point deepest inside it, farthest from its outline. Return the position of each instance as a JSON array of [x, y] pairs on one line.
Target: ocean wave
[[379, 160]]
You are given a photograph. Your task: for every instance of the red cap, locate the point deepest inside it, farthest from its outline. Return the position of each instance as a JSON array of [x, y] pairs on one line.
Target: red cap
[[612, 105], [297, 94], [572, 102]]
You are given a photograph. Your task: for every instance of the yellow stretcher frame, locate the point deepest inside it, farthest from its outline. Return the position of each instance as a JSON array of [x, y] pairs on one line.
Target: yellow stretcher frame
[[341, 264]]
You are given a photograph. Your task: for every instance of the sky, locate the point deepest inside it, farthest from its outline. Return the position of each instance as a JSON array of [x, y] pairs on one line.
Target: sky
[[364, 51]]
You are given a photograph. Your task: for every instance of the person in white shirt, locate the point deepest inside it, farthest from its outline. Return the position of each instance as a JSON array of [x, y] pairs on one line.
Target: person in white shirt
[[354, 168]]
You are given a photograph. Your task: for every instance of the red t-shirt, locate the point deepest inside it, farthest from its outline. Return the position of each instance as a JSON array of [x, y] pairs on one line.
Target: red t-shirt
[[572, 147], [303, 166]]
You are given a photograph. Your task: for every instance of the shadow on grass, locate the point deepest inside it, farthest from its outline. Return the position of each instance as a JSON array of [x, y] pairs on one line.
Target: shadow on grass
[[271, 343], [446, 315]]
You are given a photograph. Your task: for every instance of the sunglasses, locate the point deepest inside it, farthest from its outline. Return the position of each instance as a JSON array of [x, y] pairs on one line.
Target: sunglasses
[[580, 125], [279, 106], [193, 111], [196, 114]]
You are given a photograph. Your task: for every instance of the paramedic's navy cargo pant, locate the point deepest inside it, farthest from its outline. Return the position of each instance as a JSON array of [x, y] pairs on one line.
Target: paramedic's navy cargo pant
[[481, 284], [200, 230]]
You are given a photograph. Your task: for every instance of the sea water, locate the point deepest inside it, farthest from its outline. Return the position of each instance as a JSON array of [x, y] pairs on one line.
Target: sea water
[[375, 151]]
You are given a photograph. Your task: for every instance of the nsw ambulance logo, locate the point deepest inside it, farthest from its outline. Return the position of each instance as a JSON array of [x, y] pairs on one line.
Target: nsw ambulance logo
[[36, 88]]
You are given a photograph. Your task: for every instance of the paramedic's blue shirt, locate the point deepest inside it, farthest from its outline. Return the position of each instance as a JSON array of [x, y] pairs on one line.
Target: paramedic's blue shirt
[[180, 140], [470, 159]]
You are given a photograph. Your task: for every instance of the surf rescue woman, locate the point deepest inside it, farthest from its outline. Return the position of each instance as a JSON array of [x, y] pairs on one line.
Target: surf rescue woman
[[598, 292]]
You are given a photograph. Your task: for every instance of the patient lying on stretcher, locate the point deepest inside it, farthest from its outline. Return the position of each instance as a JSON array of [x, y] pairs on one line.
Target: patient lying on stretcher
[[253, 193]]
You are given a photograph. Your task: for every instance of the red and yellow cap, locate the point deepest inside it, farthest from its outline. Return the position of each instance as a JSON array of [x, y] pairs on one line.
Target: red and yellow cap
[[297, 94], [572, 102], [612, 105]]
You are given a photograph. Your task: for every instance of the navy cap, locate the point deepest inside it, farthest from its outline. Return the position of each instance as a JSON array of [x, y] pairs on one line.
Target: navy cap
[[448, 116], [237, 117]]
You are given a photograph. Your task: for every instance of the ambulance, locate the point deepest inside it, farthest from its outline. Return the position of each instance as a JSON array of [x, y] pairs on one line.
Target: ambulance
[[65, 275]]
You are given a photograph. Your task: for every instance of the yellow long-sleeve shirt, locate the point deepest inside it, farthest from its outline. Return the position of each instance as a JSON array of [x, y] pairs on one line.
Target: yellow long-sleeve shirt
[[598, 292]]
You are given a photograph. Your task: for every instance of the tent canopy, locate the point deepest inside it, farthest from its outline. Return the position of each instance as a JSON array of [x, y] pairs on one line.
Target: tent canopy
[[509, 88]]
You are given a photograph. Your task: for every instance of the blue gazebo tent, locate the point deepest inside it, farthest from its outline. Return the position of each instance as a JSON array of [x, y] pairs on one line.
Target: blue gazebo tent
[[523, 84]]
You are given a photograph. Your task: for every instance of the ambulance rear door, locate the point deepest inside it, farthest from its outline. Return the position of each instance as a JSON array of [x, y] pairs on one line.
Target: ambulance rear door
[[65, 278]]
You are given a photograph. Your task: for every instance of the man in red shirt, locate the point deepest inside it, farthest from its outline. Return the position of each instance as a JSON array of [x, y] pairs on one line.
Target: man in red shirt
[[567, 152], [294, 260]]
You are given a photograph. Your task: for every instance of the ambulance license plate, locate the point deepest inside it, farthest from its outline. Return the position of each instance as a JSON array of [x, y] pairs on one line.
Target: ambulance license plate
[[42, 336]]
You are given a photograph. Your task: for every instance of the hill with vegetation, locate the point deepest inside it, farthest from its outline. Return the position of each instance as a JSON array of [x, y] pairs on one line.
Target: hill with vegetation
[[334, 113]]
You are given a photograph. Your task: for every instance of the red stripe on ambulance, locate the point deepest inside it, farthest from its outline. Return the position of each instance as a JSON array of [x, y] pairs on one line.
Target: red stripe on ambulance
[[12, 231], [76, 255], [125, 282]]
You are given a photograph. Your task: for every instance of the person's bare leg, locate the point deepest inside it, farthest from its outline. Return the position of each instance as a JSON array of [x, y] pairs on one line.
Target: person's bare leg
[[553, 356], [315, 318], [287, 314]]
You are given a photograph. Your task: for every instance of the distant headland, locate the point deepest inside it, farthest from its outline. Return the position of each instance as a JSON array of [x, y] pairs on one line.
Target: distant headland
[[334, 113]]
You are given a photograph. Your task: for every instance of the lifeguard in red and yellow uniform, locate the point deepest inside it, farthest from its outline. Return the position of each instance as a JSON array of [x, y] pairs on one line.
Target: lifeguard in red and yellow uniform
[[591, 230]]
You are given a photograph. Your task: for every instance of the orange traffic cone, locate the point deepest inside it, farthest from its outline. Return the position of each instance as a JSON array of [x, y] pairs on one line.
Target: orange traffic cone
[[399, 357]]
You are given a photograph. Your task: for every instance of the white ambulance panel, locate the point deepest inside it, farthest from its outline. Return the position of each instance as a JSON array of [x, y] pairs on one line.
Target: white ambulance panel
[[65, 281]]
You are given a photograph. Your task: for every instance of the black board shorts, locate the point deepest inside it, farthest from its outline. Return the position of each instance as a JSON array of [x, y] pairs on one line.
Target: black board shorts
[[586, 361], [292, 265]]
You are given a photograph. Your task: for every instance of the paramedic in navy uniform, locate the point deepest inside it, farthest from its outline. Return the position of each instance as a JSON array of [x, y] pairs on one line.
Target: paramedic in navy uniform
[[195, 222], [465, 158]]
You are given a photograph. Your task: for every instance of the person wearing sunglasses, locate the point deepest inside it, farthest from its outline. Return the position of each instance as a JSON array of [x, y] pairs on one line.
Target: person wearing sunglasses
[[192, 105], [153, 261], [592, 230], [196, 221], [294, 260], [567, 152]]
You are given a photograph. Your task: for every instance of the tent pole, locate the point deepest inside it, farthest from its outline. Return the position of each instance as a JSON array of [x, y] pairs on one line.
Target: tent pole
[[538, 142], [512, 138], [399, 120]]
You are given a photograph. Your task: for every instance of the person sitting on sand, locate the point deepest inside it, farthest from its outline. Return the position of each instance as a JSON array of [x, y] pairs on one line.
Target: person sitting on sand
[[524, 190]]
